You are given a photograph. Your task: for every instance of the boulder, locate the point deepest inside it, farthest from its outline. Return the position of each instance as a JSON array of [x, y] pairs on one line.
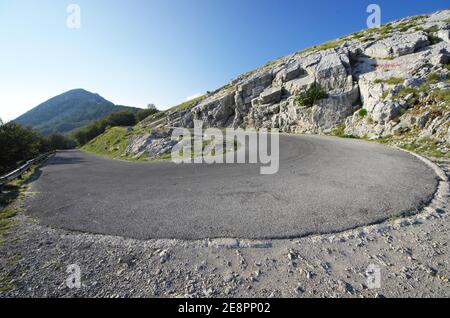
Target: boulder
[[271, 95], [397, 45], [384, 111], [444, 35]]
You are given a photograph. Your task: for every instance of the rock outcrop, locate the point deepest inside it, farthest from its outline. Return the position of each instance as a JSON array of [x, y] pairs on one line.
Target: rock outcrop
[[379, 82]]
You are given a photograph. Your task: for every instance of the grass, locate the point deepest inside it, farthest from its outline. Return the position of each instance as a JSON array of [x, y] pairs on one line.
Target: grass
[[424, 146], [9, 193], [339, 131], [112, 143], [433, 78], [183, 106], [324, 46], [406, 26], [5, 284], [12, 190], [6, 221], [385, 94], [188, 104], [447, 66], [441, 95], [390, 81], [403, 92]]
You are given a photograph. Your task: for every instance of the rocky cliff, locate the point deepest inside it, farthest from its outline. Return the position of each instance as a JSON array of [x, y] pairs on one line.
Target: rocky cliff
[[390, 82]]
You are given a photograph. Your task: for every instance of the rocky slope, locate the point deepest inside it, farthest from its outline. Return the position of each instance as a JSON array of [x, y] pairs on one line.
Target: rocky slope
[[389, 83]]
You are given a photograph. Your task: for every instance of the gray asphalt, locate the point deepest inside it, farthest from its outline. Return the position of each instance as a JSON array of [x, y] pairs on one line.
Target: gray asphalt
[[324, 185]]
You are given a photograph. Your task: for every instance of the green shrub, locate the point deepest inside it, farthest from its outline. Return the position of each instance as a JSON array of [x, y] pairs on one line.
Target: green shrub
[[311, 95], [362, 112], [434, 39], [433, 29]]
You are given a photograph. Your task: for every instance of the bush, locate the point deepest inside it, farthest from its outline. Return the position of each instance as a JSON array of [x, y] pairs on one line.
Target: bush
[[122, 118], [311, 95], [18, 144], [362, 112], [60, 142]]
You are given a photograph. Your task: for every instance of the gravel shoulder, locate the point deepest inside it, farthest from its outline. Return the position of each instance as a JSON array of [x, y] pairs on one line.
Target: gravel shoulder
[[411, 253]]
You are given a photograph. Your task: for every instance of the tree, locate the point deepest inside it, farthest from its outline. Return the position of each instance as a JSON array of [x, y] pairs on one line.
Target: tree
[[121, 118], [152, 106], [60, 142], [18, 144]]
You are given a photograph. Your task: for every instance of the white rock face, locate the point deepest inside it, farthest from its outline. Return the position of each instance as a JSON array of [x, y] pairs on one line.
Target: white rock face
[[385, 72], [397, 45]]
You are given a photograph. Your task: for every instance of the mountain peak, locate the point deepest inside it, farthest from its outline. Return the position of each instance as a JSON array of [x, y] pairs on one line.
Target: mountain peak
[[68, 111]]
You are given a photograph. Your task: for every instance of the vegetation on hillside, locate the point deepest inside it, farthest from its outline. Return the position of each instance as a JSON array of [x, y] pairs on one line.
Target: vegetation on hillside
[[188, 104], [69, 111], [116, 119], [112, 143], [19, 144]]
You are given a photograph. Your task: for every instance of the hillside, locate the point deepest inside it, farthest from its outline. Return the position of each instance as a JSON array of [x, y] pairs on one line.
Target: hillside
[[389, 84], [68, 111]]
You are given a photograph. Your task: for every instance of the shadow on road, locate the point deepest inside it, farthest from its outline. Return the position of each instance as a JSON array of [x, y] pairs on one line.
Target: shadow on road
[[64, 161]]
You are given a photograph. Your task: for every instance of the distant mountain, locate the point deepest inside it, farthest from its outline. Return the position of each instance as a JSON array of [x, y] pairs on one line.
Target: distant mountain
[[68, 111]]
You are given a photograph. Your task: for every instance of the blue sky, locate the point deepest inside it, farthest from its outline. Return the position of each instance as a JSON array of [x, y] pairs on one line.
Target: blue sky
[[135, 52]]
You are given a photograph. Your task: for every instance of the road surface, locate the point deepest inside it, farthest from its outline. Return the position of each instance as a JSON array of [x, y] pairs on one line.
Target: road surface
[[324, 185]]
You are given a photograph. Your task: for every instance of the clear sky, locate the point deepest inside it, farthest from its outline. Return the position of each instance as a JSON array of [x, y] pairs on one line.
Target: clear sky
[[135, 52]]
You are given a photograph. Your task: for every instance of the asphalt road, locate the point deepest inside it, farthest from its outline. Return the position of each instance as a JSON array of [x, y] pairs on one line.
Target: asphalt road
[[323, 185]]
